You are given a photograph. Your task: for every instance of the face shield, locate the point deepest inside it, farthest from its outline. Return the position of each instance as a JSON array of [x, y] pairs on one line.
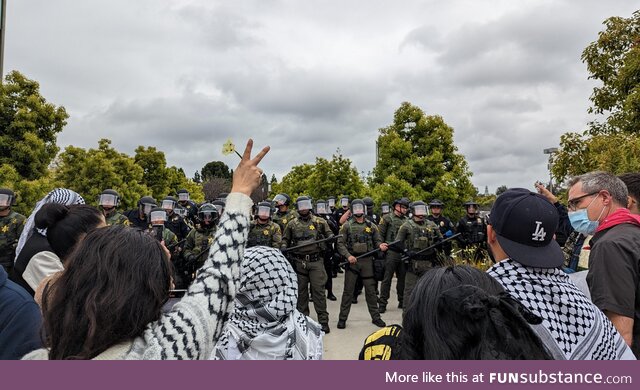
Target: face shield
[[331, 203], [344, 202], [167, 204], [471, 209], [321, 208], [279, 200], [108, 200], [181, 212], [5, 200], [183, 196], [158, 217], [385, 209], [304, 205], [358, 209], [219, 208], [208, 216], [146, 208], [264, 212], [420, 210]]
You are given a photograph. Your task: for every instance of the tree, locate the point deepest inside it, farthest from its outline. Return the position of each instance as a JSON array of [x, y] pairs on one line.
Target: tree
[[155, 174], [499, 190], [197, 178], [214, 187], [216, 169], [89, 172], [28, 126], [614, 59], [417, 151]]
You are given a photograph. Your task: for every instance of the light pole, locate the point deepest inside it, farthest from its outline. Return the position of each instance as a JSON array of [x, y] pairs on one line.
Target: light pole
[[550, 152]]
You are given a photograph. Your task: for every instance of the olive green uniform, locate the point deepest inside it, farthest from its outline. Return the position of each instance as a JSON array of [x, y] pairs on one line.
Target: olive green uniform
[[11, 227], [282, 219], [417, 236], [198, 240], [389, 226], [268, 234], [355, 239], [308, 262], [117, 219]]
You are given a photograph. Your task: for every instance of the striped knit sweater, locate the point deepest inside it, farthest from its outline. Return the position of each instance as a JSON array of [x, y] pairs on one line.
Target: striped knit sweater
[[193, 326]]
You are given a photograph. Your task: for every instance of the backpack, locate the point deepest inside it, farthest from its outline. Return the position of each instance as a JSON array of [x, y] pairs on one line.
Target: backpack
[[383, 344]]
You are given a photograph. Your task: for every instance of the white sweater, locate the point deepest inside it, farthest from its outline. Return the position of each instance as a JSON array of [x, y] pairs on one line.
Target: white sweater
[[194, 324]]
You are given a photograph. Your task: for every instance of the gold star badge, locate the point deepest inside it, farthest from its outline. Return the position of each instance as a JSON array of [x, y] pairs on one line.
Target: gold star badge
[[210, 240], [5, 229], [367, 229], [265, 232], [311, 227], [284, 221]]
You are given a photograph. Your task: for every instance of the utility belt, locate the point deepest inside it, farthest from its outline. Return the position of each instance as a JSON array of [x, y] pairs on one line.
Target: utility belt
[[310, 258]]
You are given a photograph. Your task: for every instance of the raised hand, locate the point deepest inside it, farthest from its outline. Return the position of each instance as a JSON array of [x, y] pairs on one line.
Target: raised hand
[[247, 176]]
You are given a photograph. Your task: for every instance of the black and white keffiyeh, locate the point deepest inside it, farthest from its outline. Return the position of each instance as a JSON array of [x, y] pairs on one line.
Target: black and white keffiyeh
[[57, 195], [264, 324], [572, 326]]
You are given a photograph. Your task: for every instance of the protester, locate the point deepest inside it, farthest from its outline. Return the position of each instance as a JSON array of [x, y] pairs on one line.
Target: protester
[[520, 236], [107, 303], [460, 313], [264, 323]]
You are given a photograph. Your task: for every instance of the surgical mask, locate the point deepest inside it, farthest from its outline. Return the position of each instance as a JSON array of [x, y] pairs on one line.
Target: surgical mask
[[580, 220]]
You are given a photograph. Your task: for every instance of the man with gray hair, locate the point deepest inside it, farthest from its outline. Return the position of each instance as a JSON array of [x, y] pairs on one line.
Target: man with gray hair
[[597, 205]]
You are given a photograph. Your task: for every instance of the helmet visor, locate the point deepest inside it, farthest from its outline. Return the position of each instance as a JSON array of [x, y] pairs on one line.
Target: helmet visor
[[304, 205], [5, 200], [344, 202], [358, 209], [181, 212], [108, 200], [183, 196], [279, 200], [385, 209], [146, 208], [321, 208], [420, 210], [264, 212], [167, 204], [158, 217], [332, 202]]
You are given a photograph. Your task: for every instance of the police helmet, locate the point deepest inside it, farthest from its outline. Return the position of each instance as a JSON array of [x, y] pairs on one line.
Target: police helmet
[[470, 203], [358, 207], [419, 208], [384, 206], [263, 211], [146, 203], [7, 197], [157, 214], [181, 211], [109, 198], [402, 202], [344, 200], [183, 195], [436, 203], [321, 207], [303, 203], [282, 200], [169, 203], [368, 202], [219, 205], [331, 201], [208, 213]]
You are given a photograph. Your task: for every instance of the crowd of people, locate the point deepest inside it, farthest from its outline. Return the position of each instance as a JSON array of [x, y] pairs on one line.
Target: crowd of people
[[84, 282]]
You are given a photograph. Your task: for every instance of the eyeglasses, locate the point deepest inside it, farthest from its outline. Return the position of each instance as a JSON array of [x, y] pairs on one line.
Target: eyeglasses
[[573, 203]]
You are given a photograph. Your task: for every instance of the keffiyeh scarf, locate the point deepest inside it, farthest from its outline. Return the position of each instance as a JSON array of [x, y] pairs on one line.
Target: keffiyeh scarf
[[58, 195], [571, 324], [265, 324]]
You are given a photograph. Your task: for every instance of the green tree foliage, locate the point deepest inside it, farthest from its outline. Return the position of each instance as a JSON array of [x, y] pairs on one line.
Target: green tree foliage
[[215, 169], [28, 126], [89, 172], [323, 179], [499, 190], [417, 152], [155, 174], [614, 60]]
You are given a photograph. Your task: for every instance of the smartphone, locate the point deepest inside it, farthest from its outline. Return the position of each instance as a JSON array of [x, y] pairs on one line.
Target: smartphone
[[158, 231]]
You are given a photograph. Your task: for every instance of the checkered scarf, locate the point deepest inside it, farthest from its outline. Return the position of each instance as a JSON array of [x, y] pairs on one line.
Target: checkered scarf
[[58, 195], [572, 325], [265, 324]]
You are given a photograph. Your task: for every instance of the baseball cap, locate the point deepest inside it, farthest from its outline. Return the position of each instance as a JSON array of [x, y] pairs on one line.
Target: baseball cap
[[525, 223]]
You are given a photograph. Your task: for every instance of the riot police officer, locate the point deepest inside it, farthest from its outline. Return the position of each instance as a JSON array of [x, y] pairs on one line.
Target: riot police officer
[[175, 223], [473, 234], [359, 236], [384, 209], [283, 215], [186, 203], [389, 226], [108, 201], [262, 230], [344, 208], [11, 226], [322, 211], [418, 233], [198, 242], [139, 217], [307, 260], [446, 226], [156, 227]]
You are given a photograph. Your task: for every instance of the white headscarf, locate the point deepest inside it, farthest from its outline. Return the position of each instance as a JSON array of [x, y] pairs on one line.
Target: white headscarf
[[58, 195], [265, 324]]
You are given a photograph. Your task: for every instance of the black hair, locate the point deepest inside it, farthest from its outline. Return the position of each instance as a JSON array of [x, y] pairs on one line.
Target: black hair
[[114, 284], [66, 225], [632, 181], [460, 312]]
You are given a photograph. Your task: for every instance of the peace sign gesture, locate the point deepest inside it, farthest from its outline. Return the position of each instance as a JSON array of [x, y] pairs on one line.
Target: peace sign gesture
[[247, 176]]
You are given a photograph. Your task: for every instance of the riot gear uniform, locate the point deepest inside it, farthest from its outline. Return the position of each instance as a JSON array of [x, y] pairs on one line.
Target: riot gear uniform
[[444, 224], [262, 230], [389, 226], [11, 226]]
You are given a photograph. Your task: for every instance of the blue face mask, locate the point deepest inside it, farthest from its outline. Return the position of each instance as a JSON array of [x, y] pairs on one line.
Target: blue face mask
[[581, 223]]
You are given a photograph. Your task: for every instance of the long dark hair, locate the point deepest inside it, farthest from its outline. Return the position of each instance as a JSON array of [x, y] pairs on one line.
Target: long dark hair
[[113, 285], [460, 312], [66, 225]]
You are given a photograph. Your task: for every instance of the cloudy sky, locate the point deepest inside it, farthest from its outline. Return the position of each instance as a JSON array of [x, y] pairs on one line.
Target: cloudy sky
[[308, 77]]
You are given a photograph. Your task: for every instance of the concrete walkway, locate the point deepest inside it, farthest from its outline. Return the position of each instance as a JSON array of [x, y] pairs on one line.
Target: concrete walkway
[[345, 344]]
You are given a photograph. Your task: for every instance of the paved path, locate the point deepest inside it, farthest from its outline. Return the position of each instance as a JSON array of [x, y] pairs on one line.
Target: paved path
[[345, 344]]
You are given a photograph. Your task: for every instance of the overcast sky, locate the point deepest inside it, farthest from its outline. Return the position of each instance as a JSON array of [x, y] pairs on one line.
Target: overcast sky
[[308, 77]]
